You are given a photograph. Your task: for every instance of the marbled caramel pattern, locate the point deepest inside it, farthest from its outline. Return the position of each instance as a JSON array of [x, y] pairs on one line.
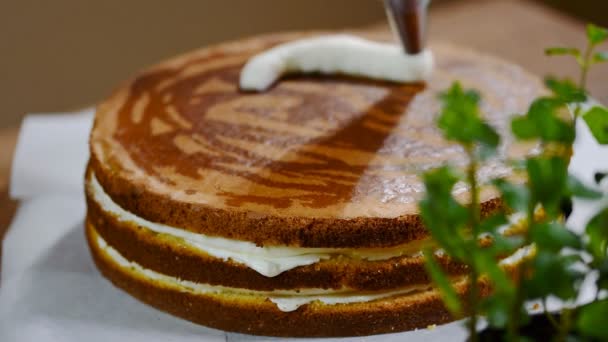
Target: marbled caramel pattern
[[312, 146]]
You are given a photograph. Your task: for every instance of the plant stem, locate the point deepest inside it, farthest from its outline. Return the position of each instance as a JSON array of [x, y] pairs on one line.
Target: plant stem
[[577, 114], [582, 84], [549, 316], [514, 320], [473, 297], [522, 270], [565, 320], [564, 326], [586, 63]]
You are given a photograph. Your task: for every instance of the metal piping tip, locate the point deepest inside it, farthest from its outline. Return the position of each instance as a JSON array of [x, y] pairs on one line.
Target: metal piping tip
[[408, 20]]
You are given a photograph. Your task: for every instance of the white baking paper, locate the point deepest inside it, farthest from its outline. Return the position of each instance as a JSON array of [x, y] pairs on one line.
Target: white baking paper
[[51, 291], [51, 154]]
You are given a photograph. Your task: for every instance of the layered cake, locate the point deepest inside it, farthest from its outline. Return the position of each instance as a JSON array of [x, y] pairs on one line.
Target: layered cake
[[289, 212]]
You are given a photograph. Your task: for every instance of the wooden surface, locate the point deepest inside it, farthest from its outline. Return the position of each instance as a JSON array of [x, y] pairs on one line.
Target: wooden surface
[[8, 139], [63, 54], [518, 31], [515, 30]]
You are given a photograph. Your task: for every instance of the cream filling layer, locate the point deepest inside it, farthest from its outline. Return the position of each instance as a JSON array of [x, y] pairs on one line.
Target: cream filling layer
[[341, 54], [269, 261], [284, 300]]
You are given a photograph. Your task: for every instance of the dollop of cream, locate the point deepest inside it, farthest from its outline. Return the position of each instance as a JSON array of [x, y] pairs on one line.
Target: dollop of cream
[[336, 54]]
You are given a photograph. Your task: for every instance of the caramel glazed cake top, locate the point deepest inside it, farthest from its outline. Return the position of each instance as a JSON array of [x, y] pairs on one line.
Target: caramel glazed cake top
[[313, 162]]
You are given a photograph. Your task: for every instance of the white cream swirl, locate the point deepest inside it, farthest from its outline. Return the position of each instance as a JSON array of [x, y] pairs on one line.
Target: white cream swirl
[[336, 54]]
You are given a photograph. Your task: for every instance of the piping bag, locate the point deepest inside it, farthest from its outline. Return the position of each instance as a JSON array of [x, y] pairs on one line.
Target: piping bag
[[408, 21]]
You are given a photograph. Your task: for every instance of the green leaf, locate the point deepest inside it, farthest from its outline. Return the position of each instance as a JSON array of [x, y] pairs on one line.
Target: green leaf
[[547, 182], [565, 90], [557, 51], [553, 236], [600, 57], [524, 129], [602, 280], [505, 245], [597, 120], [591, 321], [442, 215], [496, 309], [596, 34], [501, 245], [487, 135], [553, 274], [486, 263], [515, 196], [597, 232], [492, 223], [542, 122], [460, 120], [448, 293], [577, 189]]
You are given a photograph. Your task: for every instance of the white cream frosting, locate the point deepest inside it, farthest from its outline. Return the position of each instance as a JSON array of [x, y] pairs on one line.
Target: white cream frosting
[[262, 259], [285, 300], [269, 261], [342, 54], [520, 254]]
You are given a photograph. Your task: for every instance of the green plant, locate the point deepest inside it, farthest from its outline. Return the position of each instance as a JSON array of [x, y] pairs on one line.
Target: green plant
[[554, 260]]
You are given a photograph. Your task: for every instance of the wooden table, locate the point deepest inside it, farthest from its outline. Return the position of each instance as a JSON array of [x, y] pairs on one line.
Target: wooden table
[[515, 30], [8, 139]]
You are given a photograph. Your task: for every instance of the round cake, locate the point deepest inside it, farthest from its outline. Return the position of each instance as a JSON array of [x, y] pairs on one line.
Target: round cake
[[291, 212]]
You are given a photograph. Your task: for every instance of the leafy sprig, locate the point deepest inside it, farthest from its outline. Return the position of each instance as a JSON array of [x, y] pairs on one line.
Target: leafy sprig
[[595, 36], [457, 227], [546, 198]]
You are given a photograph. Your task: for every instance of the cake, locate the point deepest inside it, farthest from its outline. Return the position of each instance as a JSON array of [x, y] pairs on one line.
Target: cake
[[291, 212]]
